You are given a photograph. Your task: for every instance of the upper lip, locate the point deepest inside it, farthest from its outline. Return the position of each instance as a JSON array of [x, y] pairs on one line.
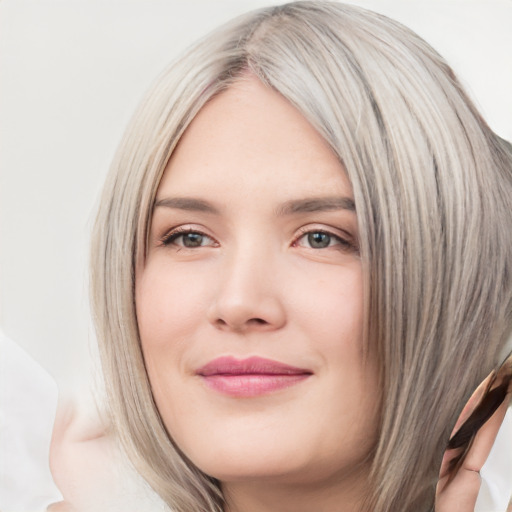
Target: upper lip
[[228, 365]]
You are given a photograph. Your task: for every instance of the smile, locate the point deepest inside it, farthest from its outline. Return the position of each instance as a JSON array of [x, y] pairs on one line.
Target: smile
[[250, 377]]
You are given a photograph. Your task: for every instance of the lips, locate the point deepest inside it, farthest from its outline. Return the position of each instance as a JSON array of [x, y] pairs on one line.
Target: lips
[[250, 377]]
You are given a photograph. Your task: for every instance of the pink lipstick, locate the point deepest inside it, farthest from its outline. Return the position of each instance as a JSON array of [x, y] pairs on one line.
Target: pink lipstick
[[249, 377]]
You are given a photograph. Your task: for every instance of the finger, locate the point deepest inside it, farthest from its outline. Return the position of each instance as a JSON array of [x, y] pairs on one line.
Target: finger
[[493, 392], [60, 506], [461, 494], [470, 406], [484, 439], [472, 403]]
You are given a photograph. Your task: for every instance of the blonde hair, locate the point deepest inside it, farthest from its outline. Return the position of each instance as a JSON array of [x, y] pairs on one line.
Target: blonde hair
[[433, 193]]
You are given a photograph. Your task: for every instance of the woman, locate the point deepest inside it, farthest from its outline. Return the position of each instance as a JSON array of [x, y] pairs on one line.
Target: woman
[[301, 267]]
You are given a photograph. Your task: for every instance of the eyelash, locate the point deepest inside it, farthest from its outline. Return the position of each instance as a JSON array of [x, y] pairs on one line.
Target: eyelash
[[171, 237], [346, 243]]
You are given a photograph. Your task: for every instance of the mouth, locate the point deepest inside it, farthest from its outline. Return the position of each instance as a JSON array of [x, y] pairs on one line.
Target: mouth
[[250, 377]]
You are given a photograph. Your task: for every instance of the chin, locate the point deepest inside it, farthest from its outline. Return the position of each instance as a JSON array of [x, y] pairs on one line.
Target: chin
[[281, 459], [235, 457], [257, 470]]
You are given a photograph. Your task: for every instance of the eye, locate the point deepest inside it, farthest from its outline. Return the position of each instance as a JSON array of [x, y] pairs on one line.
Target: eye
[[188, 238], [319, 239]]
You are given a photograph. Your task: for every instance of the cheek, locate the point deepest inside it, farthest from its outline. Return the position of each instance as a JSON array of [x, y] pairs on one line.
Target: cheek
[[168, 304], [329, 306], [170, 308], [331, 316]]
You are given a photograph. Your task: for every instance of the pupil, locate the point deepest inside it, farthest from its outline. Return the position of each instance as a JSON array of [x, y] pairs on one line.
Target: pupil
[[319, 240], [192, 240]]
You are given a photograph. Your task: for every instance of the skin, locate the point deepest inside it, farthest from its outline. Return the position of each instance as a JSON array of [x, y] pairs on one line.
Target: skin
[[256, 287]]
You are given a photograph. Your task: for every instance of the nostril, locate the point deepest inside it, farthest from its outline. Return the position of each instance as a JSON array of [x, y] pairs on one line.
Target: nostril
[[221, 323]]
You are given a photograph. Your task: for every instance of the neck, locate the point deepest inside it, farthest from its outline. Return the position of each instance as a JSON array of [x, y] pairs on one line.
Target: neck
[[272, 496]]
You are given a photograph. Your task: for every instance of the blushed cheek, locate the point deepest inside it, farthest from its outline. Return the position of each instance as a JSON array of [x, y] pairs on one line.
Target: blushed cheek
[[166, 305]]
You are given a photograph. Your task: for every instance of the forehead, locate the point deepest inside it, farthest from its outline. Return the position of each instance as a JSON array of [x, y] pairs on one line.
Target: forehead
[[251, 139]]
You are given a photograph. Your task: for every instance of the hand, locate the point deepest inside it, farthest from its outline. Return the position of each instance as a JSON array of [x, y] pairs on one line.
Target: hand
[[458, 488], [82, 459], [90, 471]]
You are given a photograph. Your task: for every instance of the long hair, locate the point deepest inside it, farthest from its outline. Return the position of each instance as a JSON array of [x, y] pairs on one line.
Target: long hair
[[433, 193]]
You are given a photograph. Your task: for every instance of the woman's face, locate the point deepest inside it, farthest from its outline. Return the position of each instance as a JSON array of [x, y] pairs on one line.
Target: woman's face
[[250, 301]]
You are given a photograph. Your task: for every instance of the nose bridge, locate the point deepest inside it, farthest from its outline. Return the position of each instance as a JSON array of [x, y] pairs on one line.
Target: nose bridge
[[247, 296]]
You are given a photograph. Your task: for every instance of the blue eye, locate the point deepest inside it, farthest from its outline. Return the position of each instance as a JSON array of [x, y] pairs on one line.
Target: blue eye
[[188, 239], [318, 239], [192, 239]]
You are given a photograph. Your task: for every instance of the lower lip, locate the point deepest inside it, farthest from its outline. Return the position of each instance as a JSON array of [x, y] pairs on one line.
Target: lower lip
[[248, 385]]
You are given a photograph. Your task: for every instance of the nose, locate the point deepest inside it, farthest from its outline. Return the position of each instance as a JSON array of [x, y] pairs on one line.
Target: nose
[[248, 295]]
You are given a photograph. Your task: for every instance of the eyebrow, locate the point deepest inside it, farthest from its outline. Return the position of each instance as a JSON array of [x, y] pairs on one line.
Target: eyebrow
[[187, 203], [293, 206], [316, 204]]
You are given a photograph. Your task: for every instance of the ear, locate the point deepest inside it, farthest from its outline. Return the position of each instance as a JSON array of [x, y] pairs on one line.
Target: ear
[[471, 442]]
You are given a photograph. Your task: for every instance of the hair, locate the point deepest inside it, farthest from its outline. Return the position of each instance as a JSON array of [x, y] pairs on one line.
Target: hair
[[432, 187]]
